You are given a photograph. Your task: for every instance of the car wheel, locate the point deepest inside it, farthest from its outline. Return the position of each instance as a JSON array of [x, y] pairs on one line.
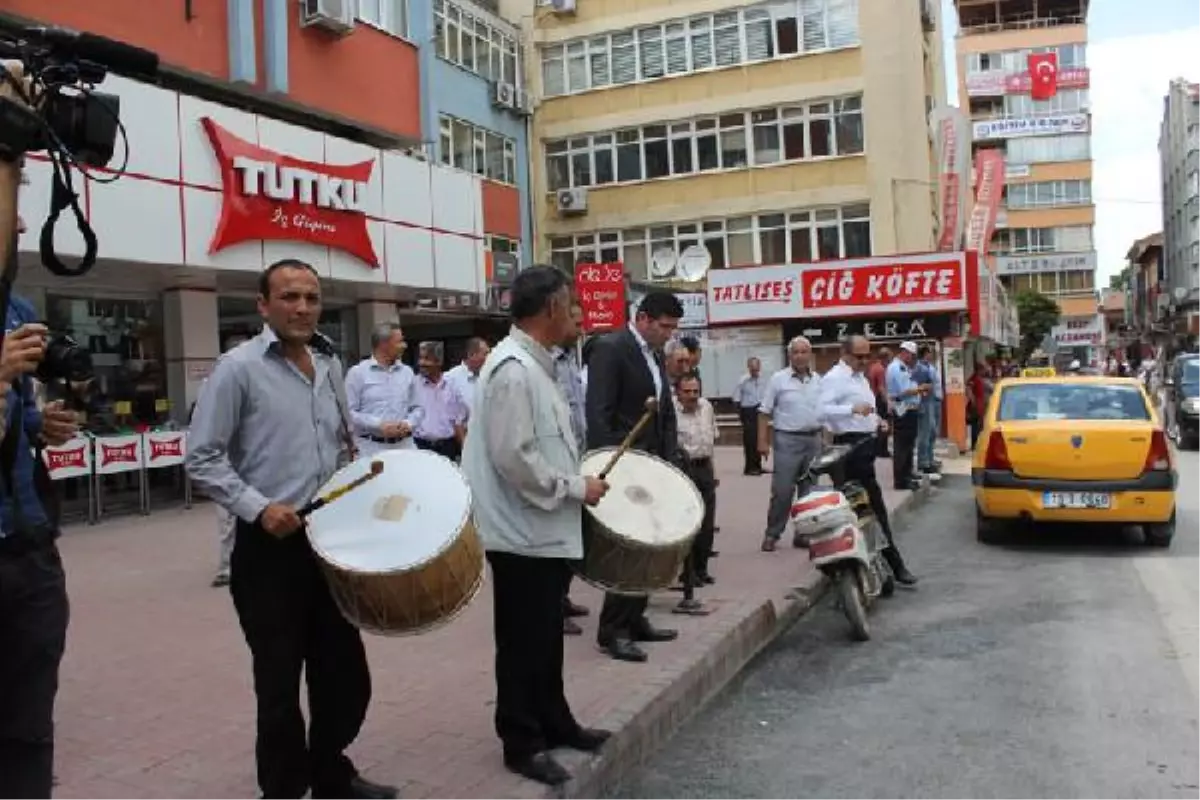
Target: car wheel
[[987, 530], [1159, 534]]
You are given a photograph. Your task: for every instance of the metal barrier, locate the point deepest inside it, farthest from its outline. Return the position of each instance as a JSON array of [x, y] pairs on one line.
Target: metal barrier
[[96, 457]]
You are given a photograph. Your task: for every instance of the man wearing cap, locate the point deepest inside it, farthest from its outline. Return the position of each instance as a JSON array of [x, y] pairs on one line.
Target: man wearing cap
[[905, 395]]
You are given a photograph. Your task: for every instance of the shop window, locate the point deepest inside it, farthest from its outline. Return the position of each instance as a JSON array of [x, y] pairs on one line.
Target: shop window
[[125, 340]]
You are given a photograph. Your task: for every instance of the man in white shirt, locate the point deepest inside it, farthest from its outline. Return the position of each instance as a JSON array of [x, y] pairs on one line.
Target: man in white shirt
[[848, 404], [697, 431], [748, 395], [463, 377], [792, 406], [381, 396], [905, 395]]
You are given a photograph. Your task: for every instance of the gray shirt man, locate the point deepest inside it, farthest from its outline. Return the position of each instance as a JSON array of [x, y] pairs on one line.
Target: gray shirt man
[[264, 433]]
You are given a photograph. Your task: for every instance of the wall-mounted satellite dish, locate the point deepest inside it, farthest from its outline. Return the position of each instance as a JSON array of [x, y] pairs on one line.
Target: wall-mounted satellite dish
[[694, 263], [662, 263]]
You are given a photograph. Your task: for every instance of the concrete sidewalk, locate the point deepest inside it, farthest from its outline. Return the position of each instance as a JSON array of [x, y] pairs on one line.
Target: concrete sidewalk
[[156, 697]]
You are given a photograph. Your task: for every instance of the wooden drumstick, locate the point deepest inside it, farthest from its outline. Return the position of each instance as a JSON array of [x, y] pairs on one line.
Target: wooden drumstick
[[651, 410], [334, 494]]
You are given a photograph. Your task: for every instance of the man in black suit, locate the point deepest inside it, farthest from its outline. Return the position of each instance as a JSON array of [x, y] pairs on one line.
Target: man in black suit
[[624, 368]]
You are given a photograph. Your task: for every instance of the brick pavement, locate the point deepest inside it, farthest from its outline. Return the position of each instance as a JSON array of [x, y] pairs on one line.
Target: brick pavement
[[156, 698]]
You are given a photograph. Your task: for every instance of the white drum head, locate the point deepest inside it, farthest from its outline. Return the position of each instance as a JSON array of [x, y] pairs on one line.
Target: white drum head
[[396, 521], [648, 500]]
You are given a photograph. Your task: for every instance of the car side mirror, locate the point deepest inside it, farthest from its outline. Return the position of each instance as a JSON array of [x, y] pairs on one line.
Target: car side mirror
[[1169, 382]]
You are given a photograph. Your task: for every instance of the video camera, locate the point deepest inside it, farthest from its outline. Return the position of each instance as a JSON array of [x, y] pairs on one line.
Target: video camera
[[65, 116]]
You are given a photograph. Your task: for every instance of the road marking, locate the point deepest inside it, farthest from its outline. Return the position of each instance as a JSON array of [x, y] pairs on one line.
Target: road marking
[[1177, 607]]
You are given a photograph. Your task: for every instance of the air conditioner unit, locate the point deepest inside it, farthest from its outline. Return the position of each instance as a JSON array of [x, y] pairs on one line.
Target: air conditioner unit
[[336, 16], [571, 201], [505, 95], [522, 103], [563, 6]]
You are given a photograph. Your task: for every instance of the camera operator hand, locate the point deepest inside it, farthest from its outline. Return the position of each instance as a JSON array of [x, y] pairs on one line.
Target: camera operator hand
[[23, 349], [59, 424]]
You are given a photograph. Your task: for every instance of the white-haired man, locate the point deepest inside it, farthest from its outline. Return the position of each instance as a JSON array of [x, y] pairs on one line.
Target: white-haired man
[[791, 407]]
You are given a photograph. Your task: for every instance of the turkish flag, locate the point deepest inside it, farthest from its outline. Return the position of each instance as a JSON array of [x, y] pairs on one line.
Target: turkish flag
[[1043, 75]]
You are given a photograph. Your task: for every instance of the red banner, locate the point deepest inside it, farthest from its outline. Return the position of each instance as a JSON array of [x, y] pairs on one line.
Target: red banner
[[1043, 74], [889, 284], [949, 185], [269, 196], [989, 185], [1066, 78], [601, 290]]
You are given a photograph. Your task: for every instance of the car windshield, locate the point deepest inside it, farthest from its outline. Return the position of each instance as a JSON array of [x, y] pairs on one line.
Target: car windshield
[[1072, 401], [1189, 378]]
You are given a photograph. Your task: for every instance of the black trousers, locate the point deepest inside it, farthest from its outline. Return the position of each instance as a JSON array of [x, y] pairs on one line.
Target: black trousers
[[702, 474], [749, 417], [34, 612], [532, 713], [881, 443], [860, 466], [621, 617], [904, 446], [291, 623], [443, 447]]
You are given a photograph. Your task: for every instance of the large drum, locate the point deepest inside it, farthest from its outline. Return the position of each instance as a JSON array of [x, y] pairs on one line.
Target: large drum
[[400, 552], [636, 539]]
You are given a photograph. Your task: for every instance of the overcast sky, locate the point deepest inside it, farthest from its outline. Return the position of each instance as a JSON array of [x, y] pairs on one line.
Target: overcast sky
[[1134, 50]]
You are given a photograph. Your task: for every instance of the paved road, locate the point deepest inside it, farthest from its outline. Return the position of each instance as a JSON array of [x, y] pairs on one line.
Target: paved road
[[1057, 666]]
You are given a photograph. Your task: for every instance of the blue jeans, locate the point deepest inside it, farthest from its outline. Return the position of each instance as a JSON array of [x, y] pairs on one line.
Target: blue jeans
[[928, 426]]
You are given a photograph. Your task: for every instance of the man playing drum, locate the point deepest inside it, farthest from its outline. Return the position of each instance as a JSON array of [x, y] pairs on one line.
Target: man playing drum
[[269, 431], [523, 464], [627, 367]]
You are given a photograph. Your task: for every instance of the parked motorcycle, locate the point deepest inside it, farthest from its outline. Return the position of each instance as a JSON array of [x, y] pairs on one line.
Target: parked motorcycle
[[846, 541]]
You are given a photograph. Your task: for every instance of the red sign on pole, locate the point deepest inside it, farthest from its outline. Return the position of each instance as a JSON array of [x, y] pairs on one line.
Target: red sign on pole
[[601, 290], [269, 196]]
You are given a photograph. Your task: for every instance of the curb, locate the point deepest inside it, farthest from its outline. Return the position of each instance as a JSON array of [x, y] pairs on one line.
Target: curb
[[654, 711]]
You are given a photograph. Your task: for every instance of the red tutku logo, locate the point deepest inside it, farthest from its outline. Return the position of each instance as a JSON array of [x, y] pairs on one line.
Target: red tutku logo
[[166, 448], [118, 454], [66, 459], [270, 196], [1043, 75]]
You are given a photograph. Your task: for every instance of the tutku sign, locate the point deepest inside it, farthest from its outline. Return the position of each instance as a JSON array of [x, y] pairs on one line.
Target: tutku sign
[[915, 284], [270, 196]]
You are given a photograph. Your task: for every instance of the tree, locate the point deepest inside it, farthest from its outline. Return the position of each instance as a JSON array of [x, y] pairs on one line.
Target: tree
[[1037, 315], [1120, 281]]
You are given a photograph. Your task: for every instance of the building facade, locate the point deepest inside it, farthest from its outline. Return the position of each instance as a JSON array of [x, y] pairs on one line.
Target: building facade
[[1179, 155], [1044, 238], [264, 111], [475, 112], [740, 135]]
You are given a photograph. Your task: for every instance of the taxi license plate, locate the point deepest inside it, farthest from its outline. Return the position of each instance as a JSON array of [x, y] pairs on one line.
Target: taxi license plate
[[1084, 500]]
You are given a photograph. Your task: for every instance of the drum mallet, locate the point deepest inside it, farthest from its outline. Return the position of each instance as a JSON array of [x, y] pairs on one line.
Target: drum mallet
[[651, 410], [334, 494]]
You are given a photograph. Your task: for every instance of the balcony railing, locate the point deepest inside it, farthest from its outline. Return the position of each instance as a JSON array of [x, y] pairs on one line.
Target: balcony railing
[[1024, 24]]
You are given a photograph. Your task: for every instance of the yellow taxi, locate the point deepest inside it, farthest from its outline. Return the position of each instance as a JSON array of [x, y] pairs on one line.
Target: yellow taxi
[[1078, 449]]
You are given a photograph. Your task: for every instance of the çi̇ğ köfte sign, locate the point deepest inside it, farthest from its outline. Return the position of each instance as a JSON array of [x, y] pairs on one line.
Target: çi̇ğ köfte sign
[[936, 282], [270, 196]]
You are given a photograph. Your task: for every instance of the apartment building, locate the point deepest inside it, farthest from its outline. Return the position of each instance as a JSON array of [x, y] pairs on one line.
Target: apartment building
[[1044, 238], [764, 133], [1179, 152]]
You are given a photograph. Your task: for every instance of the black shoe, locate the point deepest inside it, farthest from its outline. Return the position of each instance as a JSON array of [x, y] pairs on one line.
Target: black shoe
[[903, 576], [222, 579], [540, 767], [571, 628], [364, 789], [623, 650], [571, 609], [714, 554], [705, 579], [648, 633], [587, 740]]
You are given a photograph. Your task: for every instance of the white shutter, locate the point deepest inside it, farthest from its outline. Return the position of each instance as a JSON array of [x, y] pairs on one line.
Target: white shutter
[[553, 77], [843, 23], [624, 58], [812, 14], [726, 39], [758, 34], [598, 54], [650, 49], [677, 55], [702, 43]]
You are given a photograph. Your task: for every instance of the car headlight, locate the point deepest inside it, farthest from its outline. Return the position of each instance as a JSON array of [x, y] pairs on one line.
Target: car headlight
[[1192, 405]]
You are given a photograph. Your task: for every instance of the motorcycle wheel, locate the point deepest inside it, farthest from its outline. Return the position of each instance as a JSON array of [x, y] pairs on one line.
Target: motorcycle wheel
[[889, 585], [853, 604]]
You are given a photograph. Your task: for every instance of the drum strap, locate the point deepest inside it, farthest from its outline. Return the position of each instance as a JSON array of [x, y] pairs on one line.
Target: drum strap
[[339, 393]]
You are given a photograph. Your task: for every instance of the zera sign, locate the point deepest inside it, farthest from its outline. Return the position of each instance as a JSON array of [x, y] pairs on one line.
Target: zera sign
[[270, 196]]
